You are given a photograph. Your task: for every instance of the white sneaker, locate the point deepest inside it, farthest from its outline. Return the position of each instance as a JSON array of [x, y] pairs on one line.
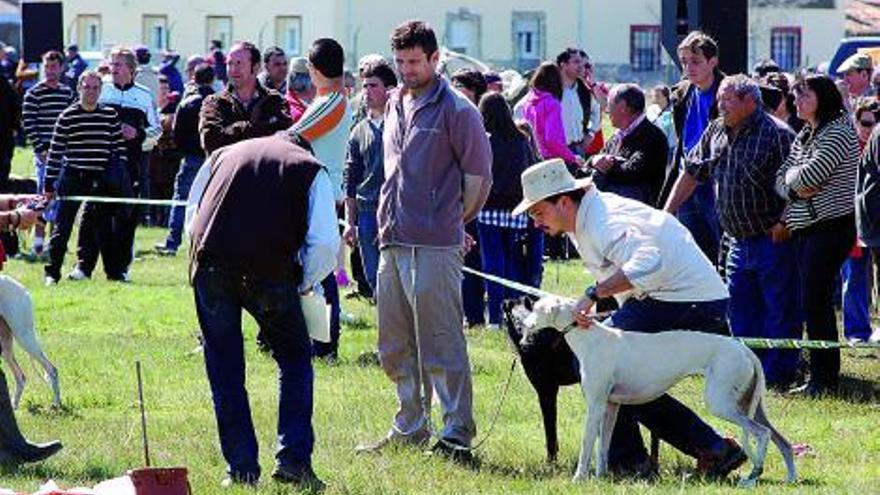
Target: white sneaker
[[875, 336], [49, 281], [494, 327], [76, 275]]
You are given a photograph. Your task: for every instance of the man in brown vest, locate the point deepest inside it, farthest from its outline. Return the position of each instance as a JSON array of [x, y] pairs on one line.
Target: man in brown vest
[[265, 231]]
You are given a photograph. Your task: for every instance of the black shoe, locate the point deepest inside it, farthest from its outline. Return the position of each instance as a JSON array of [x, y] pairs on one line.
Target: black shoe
[[716, 466], [301, 475], [14, 447], [453, 450]]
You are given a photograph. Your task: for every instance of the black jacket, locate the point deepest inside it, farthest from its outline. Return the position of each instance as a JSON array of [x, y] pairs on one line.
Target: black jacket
[[641, 176], [185, 129]]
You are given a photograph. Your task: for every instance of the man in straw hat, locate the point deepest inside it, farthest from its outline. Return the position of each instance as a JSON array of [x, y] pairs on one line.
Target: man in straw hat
[[650, 263]]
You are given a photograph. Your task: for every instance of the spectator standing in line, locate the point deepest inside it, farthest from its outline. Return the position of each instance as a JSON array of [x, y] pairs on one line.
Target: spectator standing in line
[[185, 132], [365, 169], [274, 74], [819, 178], [633, 162], [168, 68], [856, 76], [542, 109], [857, 268], [472, 85], [7, 66], [216, 57], [42, 106], [576, 101], [743, 150], [87, 136], [694, 105], [244, 109], [326, 124], [300, 90], [191, 87], [10, 121], [165, 158], [434, 184], [660, 113], [594, 96], [868, 202], [136, 108], [74, 65], [501, 232], [786, 110]]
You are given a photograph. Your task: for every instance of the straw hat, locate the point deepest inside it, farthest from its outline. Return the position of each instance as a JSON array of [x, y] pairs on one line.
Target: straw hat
[[545, 179]]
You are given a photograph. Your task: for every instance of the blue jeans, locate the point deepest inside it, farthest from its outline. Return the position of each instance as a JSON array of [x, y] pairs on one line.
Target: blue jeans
[[220, 295], [368, 241], [498, 248], [765, 300], [189, 167], [669, 419], [531, 259], [856, 300], [698, 214]]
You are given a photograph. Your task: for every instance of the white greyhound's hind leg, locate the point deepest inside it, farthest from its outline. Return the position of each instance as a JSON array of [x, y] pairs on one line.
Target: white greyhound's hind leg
[[607, 430], [52, 376], [781, 443], [9, 356]]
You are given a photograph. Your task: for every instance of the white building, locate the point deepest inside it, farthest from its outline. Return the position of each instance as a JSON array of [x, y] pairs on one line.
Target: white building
[[622, 36]]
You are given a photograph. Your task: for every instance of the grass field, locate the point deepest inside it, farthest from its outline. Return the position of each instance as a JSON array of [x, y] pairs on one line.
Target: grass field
[[95, 331]]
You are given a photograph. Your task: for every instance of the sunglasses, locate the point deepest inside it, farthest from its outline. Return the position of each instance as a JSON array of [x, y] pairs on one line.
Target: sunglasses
[[867, 123]]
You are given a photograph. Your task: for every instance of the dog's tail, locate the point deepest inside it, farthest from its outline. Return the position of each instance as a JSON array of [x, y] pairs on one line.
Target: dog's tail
[[751, 398]]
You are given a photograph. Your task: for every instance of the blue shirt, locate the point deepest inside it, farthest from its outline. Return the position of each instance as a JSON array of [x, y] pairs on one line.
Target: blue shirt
[[697, 119]]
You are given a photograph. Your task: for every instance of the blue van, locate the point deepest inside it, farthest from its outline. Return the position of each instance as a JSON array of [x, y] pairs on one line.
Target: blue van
[[849, 46]]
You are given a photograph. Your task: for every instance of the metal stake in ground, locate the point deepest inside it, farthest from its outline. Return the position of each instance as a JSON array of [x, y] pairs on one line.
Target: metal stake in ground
[[143, 413]]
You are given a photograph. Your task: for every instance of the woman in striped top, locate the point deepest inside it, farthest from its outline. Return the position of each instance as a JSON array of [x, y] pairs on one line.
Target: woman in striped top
[[818, 178]]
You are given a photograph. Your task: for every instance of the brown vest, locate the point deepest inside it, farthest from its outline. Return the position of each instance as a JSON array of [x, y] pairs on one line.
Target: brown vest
[[253, 215]]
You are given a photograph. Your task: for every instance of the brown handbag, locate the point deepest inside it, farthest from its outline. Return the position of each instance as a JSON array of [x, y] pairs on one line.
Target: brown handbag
[[160, 481]]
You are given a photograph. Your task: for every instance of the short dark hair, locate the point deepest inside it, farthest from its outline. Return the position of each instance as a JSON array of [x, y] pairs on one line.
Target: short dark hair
[[327, 57], [632, 95], [766, 66], [412, 34], [271, 52], [216, 45], [53, 56], [576, 195], [204, 74], [252, 50], [829, 100], [663, 89], [698, 41], [566, 55], [497, 119], [382, 72], [472, 80], [162, 78], [548, 78]]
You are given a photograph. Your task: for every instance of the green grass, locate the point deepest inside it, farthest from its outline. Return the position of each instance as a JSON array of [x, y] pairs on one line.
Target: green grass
[[95, 331]]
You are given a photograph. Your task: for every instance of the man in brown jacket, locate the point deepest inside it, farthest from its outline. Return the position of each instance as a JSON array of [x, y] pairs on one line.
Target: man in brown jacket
[[245, 109]]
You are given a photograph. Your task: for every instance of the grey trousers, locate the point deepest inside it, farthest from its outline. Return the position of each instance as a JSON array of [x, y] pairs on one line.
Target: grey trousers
[[418, 299]]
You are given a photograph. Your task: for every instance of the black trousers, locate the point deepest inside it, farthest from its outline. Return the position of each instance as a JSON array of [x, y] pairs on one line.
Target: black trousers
[[821, 250], [96, 225]]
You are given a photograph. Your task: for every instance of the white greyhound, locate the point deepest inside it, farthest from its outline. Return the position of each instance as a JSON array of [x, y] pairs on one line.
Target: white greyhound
[[619, 367], [17, 320]]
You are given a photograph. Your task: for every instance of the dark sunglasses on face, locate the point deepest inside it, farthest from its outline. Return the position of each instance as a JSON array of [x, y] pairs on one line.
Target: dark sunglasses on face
[[867, 123]]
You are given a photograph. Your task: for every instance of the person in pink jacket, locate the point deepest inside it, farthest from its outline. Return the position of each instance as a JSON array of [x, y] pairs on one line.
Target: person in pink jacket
[[543, 111]]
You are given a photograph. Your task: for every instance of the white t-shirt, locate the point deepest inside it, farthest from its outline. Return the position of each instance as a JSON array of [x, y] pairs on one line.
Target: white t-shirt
[[572, 115]]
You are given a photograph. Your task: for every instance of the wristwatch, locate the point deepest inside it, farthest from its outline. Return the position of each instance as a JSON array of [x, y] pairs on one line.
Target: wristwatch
[[592, 293]]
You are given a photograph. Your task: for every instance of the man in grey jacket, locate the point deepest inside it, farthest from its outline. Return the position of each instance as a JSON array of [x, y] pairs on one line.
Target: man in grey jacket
[[438, 173]]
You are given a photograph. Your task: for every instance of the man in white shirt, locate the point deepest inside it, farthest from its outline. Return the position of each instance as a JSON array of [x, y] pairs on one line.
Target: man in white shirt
[[649, 262], [571, 66]]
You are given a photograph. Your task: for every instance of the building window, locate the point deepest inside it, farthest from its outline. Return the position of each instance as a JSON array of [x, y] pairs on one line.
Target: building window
[[785, 47], [529, 39], [219, 28], [644, 47], [288, 31], [463, 32], [88, 32], [155, 32]]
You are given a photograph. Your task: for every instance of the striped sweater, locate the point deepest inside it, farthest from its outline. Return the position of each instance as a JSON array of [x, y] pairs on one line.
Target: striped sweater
[[826, 160], [42, 106], [326, 124], [84, 141]]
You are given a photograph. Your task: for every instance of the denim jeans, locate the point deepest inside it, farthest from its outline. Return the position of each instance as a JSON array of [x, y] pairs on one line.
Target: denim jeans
[[220, 296], [669, 419], [498, 247], [368, 242], [531, 257], [698, 214], [856, 299], [189, 167], [821, 251], [765, 300]]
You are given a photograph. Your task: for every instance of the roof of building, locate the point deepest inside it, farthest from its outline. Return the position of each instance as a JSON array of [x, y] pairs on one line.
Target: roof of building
[[863, 17]]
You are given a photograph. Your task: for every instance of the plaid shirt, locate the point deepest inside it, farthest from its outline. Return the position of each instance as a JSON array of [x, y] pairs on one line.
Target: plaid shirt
[[744, 165], [503, 218]]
